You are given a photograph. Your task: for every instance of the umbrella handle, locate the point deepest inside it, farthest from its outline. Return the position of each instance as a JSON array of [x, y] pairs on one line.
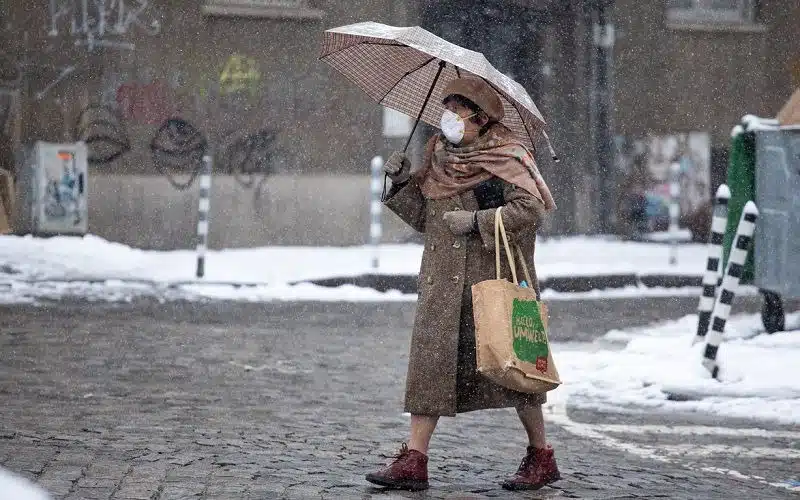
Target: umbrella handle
[[427, 98]]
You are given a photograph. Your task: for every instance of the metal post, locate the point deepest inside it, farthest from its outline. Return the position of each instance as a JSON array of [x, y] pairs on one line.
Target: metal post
[[375, 207], [601, 108], [674, 210], [730, 283], [714, 263], [202, 217]]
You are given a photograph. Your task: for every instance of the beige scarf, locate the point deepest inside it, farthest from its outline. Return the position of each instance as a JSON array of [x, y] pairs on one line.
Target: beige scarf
[[450, 170]]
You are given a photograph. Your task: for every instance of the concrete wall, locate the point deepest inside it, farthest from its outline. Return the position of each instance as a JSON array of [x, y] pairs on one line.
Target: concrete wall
[[145, 211], [676, 78]]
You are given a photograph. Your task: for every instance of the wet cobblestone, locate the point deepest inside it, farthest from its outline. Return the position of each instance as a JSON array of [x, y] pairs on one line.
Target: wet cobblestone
[[284, 401]]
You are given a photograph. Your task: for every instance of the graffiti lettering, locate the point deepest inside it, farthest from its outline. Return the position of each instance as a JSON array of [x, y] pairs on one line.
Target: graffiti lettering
[[98, 19]]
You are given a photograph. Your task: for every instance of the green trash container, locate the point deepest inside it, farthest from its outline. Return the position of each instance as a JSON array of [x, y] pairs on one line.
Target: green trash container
[[764, 167], [742, 183]]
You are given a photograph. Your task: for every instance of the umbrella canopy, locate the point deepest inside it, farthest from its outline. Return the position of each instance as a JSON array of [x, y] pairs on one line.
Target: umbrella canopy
[[406, 69]]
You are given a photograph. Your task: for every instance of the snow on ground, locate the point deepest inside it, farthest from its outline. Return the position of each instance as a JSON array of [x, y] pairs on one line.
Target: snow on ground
[[115, 291], [639, 291], [93, 267], [90, 257], [13, 487], [635, 369]]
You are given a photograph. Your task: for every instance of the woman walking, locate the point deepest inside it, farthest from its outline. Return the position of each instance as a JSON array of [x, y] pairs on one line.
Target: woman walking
[[472, 168]]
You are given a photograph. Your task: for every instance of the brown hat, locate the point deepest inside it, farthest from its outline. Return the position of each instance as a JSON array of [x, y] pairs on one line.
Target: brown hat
[[479, 92]]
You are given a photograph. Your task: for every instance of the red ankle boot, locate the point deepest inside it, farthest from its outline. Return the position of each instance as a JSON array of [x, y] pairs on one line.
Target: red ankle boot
[[537, 469], [409, 471]]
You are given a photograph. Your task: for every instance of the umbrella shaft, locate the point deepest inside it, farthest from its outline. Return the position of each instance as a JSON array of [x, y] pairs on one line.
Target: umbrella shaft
[[425, 103]]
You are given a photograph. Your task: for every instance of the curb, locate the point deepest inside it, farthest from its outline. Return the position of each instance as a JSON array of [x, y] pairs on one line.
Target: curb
[[408, 283]]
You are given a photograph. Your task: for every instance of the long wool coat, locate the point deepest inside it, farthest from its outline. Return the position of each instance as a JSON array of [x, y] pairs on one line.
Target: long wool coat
[[442, 378]]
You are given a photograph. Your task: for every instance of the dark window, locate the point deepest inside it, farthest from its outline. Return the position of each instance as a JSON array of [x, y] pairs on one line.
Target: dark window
[[711, 11]]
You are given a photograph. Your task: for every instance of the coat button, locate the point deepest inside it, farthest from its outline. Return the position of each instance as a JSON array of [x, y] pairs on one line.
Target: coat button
[[429, 280], [432, 247], [455, 279], [433, 211], [457, 244]]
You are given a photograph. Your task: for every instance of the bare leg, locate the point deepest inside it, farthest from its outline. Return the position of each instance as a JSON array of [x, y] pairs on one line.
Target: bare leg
[[533, 422], [422, 427]]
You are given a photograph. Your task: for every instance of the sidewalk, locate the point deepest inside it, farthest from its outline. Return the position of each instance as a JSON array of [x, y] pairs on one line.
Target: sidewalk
[[565, 265]]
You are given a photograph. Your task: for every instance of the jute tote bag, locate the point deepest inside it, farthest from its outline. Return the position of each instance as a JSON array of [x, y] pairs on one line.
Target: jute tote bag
[[511, 327]]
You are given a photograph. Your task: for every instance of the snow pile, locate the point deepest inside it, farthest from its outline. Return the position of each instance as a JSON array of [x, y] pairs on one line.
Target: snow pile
[[752, 123], [97, 269], [92, 258], [18, 488], [638, 369], [595, 256]]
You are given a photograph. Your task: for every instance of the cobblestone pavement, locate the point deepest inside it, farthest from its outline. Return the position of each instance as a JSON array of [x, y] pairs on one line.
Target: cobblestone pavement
[[298, 401]]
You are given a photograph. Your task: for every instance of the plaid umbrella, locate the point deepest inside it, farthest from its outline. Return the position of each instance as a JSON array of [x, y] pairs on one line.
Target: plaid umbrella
[[406, 69]]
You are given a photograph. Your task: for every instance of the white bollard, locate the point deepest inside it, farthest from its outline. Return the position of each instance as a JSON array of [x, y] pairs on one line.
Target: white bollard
[[202, 216], [674, 211], [713, 272], [375, 208], [730, 283]]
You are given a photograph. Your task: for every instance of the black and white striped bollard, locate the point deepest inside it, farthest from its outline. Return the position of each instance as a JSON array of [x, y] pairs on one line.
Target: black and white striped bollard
[[711, 277], [730, 283], [202, 216], [375, 207]]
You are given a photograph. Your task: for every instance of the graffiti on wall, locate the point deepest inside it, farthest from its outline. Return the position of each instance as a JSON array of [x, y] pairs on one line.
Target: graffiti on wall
[[178, 146], [103, 131], [102, 22], [240, 74], [14, 72], [251, 158], [144, 103], [237, 76]]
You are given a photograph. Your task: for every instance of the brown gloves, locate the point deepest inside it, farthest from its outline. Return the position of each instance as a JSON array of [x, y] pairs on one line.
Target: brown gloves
[[398, 167], [461, 222]]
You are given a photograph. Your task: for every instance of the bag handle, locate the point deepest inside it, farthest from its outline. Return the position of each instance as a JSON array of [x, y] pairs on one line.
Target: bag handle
[[500, 231]]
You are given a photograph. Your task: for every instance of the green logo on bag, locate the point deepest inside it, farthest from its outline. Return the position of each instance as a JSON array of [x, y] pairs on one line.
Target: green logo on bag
[[530, 341]]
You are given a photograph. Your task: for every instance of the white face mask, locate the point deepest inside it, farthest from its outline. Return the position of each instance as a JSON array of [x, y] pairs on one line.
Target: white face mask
[[453, 126]]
